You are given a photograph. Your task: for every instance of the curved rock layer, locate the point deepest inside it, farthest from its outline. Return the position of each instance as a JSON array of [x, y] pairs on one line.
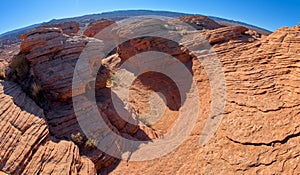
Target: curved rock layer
[[259, 133], [26, 147], [52, 56]]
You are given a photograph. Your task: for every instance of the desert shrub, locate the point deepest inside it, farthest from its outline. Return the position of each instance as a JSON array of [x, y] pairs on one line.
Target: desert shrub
[[168, 27], [144, 120], [77, 138], [2, 73], [90, 143], [111, 80], [251, 39], [109, 83], [184, 32], [19, 67], [35, 89]]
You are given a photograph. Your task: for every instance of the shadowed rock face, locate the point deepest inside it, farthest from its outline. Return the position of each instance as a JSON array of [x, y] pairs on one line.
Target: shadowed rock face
[[259, 133]]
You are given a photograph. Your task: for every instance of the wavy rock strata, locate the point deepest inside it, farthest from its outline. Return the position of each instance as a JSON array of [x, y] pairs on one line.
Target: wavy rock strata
[[26, 146], [259, 132]]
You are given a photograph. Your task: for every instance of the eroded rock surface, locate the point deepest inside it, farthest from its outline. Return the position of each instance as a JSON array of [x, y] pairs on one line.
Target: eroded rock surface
[[52, 56], [259, 132], [96, 27], [201, 22], [26, 146]]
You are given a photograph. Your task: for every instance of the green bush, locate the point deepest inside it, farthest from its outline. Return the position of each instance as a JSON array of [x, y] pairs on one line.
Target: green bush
[[111, 80], [77, 138], [19, 67], [90, 143]]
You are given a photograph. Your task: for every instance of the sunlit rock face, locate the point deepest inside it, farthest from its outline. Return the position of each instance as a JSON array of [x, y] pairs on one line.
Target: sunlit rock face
[[259, 131]]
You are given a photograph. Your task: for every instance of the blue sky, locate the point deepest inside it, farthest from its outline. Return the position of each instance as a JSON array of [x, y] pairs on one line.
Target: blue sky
[[269, 14]]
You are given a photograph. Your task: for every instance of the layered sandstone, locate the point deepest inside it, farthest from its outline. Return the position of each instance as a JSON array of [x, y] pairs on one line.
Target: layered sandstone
[[52, 56], [259, 131], [26, 147], [201, 22], [96, 27]]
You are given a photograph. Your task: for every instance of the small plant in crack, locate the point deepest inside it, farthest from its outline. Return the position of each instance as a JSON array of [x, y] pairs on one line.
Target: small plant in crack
[[35, 90], [168, 27], [90, 143], [77, 139], [112, 80], [184, 32], [2, 73], [19, 67]]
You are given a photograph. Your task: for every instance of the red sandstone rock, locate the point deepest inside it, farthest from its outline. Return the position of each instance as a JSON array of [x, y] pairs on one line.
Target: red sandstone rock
[[26, 147], [96, 27], [225, 34], [201, 22], [68, 28], [259, 133], [52, 57]]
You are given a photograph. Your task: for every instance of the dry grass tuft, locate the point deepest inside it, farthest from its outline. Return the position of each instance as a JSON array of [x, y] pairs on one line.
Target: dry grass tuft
[[2, 73]]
